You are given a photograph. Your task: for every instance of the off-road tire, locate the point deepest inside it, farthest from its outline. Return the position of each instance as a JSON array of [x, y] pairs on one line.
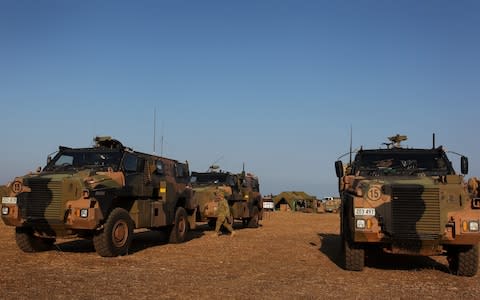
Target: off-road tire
[[178, 233], [253, 221], [354, 256], [463, 260], [27, 241], [116, 236]]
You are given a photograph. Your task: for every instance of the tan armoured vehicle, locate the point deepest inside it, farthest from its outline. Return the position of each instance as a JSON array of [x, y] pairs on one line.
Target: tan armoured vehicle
[[101, 193], [331, 204], [408, 201], [241, 190]]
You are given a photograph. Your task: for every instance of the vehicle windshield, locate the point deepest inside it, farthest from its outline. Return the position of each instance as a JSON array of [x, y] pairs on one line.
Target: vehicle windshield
[[206, 178], [250, 182], [402, 163], [77, 159]]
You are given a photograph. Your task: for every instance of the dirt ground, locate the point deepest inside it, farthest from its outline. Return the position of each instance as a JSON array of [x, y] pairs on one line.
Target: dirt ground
[[291, 256]]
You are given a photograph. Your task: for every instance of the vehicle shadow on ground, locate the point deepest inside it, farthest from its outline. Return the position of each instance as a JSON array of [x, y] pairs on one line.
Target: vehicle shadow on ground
[[75, 246], [386, 261], [141, 241], [330, 245]]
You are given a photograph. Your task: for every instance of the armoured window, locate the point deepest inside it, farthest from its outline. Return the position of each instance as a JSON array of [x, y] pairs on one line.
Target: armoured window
[[64, 160], [230, 180], [181, 170], [130, 163], [401, 163], [159, 167], [78, 159]]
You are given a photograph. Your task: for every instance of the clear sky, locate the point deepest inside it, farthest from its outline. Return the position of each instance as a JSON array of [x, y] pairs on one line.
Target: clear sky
[[275, 84]]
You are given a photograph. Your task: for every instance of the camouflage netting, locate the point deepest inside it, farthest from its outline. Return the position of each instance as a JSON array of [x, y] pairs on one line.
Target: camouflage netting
[[292, 199]]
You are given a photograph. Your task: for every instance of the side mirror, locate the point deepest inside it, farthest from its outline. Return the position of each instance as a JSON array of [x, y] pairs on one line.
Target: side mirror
[[464, 165], [339, 168]]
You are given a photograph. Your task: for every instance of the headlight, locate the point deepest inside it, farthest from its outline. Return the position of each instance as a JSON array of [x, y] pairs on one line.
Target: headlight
[[84, 213], [473, 226], [361, 224], [5, 210]]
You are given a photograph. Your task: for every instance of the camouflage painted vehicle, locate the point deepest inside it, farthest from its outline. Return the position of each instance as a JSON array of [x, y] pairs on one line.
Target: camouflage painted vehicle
[[101, 193], [331, 204], [408, 201], [242, 192]]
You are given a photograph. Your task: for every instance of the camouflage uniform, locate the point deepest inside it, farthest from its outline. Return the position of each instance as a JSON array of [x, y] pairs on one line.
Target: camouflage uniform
[[223, 212], [473, 184]]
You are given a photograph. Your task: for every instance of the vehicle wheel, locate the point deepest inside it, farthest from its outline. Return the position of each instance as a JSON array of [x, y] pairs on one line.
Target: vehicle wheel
[[463, 261], [27, 241], [116, 236], [253, 221], [354, 256], [180, 228]]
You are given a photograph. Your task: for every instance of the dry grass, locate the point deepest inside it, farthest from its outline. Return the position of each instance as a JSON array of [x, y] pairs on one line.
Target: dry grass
[[293, 255]]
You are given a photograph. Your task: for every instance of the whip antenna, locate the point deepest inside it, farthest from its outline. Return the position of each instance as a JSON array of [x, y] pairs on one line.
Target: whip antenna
[[154, 127], [351, 133]]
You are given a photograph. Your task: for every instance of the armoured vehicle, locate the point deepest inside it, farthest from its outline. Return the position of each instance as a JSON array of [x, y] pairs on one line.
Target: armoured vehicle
[[408, 201], [331, 204], [242, 192], [103, 193]]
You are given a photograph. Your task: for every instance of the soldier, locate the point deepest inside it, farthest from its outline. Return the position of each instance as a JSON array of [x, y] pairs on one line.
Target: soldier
[[473, 186], [223, 213]]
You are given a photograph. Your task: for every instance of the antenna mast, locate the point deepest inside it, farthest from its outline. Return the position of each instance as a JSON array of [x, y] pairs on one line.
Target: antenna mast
[[351, 133], [161, 143], [154, 127]]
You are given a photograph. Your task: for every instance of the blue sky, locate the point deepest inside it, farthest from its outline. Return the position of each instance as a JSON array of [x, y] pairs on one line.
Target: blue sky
[[274, 84]]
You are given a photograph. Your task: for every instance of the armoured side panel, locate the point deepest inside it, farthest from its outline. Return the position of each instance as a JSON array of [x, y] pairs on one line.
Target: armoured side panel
[[158, 217], [140, 213]]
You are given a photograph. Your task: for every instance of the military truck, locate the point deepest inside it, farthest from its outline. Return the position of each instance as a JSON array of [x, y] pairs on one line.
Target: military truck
[[242, 191], [408, 201], [102, 193], [331, 204]]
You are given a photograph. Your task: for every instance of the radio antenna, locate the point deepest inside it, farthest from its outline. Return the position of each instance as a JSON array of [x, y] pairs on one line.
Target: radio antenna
[[351, 134], [161, 142], [154, 128]]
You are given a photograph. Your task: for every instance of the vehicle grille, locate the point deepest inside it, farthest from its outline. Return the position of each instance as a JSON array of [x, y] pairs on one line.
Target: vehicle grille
[[415, 213], [45, 199]]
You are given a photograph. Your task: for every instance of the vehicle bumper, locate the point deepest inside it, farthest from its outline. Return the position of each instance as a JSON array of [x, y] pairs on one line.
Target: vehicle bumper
[[11, 215], [76, 218]]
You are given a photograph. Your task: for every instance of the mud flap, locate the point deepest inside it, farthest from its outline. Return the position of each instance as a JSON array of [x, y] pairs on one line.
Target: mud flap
[[192, 216]]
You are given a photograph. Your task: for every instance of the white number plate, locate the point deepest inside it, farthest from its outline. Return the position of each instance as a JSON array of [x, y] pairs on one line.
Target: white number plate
[[365, 211], [9, 200]]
